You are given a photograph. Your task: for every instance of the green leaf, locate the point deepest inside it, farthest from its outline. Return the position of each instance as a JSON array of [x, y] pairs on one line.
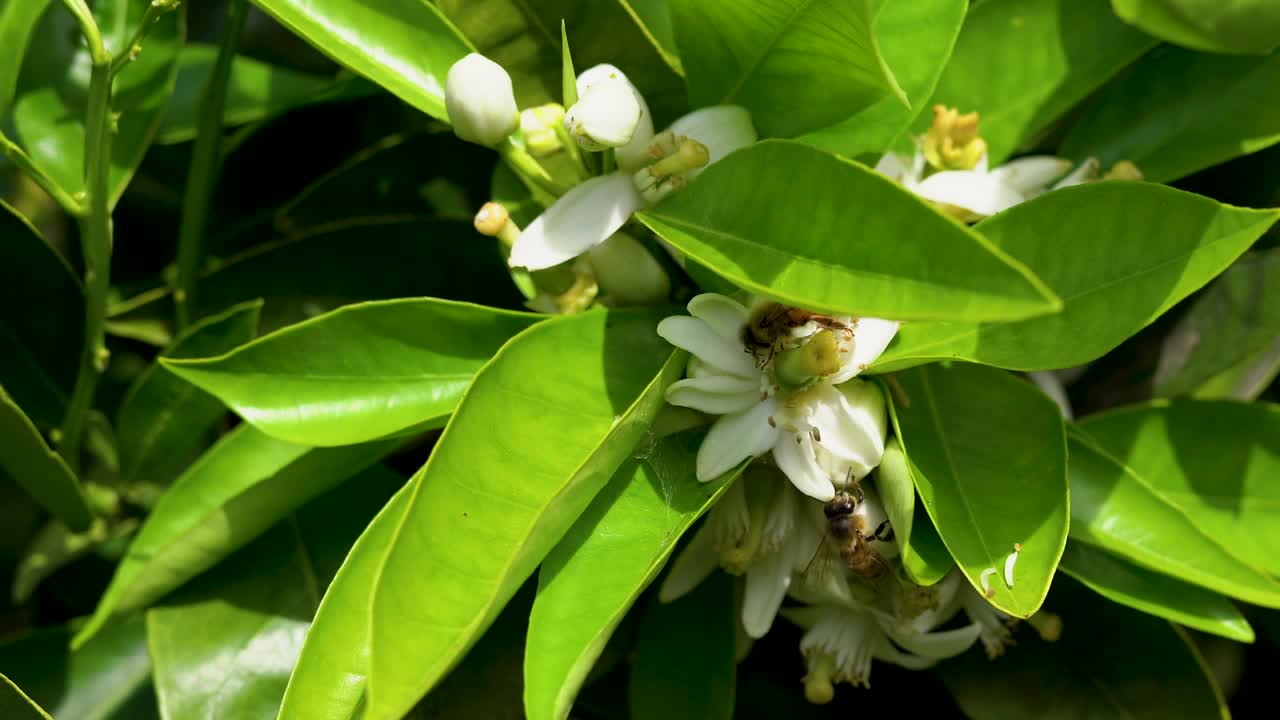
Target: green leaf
[[916, 41], [590, 580], [1129, 252], [1245, 26], [42, 349], [654, 19], [1118, 509], [1215, 461], [163, 418], [18, 19], [56, 546], [539, 432], [797, 66], [1179, 111], [15, 704], [331, 675], [1111, 662], [49, 110], [256, 91], [1236, 318], [109, 678], [406, 46], [237, 490], [38, 470], [304, 276], [568, 76], [1155, 594], [990, 464], [359, 373], [684, 658], [1245, 380], [1050, 55], [924, 556], [800, 226], [258, 601]]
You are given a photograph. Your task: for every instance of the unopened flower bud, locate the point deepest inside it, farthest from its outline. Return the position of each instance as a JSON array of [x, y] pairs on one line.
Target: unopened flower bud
[[952, 142], [606, 116], [627, 273], [539, 127], [480, 100]]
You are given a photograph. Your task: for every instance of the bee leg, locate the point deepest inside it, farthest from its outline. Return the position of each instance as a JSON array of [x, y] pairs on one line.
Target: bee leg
[[883, 532]]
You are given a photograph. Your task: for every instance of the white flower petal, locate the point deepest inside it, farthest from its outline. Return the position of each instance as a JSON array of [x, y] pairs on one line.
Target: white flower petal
[[583, 217], [694, 563], [974, 191], [694, 335], [722, 128], [736, 437], [935, 645], [1033, 173], [606, 116], [723, 314], [893, 166], [852, 423], [884, 650], [767, 581], [1087, 171], [795, 457], [715, 394]]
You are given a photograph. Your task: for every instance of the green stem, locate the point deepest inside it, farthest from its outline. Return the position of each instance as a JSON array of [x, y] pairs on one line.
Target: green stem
[[155, 11], [95, 234], [206, 158], [533, 175], [19, 158]]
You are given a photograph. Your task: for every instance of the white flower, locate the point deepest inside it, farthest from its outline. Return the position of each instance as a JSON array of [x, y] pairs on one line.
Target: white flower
[[597, 208], [480, 101], [995, 634], [816, 433], [634, 153], [608, 113], [980, 192]]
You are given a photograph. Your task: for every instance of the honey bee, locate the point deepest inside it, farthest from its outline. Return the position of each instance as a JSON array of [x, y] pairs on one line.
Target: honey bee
[[851, 540], [771, 325]]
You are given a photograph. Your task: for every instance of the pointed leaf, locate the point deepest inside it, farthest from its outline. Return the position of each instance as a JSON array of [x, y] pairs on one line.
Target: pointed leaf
[[163, 418], [1051, 55], [1117, 509], [359, 373], [18, 20], [990, 462], [237, 490], [590, 580], [807, 228], [406, 46], [1129, 252], [539, 432], [1246, 26], [38, 469], [796, 66], [924, 556], [1153, 593]]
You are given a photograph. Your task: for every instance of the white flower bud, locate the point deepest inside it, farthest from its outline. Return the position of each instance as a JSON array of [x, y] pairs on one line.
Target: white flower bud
[[627, 272], [539, 126], [480, 101], [605, 116]]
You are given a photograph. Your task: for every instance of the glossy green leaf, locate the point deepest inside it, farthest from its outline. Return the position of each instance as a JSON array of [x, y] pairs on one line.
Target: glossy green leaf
[[307, 275], [1179, 111], [260, 601], [26, 457], [916, 39], [924, 556], [49, 111], [654, 18], [1237, 317], [1111, 662], [539, 432], [1155, 594], [237, 490], [684, 665], [255, 91], [360, 372], [56, 546], [990, 465], [1245, 380], [18, 19], [1244, 26], [807, 228], [109, 678], [1216, 461], [406, 46], [590, 580], [15, 704], [1118, 253], [1021, 64], [797, 66], [330, 678], [163, 418], [42, 350], [1117, 509]]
